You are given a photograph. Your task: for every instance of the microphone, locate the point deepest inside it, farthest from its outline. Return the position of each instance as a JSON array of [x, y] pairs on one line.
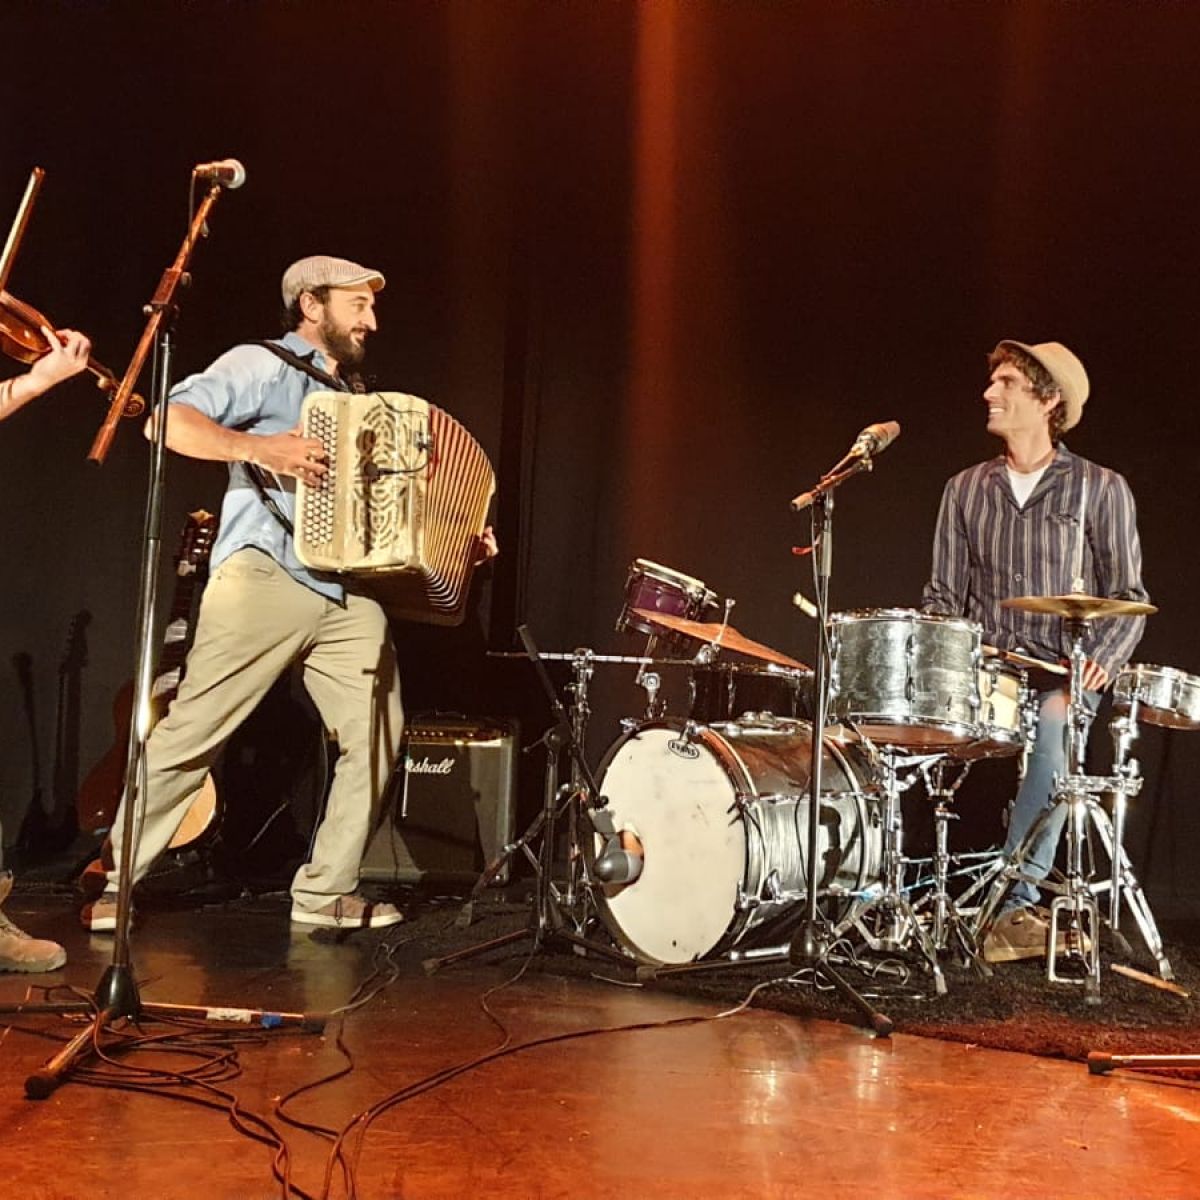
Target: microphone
[[228, 172], [618, 866], [873, 440]]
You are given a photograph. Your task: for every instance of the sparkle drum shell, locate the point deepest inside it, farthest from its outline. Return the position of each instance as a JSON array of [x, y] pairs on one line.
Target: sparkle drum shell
[[722, 818], [906, 678], [1166, 696]]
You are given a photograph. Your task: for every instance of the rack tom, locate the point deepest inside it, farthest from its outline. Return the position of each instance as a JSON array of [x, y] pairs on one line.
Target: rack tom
[[1166, 696], [655, 588], [906, 678], [1003, 695]]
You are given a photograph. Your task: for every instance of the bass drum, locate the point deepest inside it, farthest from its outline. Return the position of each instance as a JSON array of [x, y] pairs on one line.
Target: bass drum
[[721, 819]]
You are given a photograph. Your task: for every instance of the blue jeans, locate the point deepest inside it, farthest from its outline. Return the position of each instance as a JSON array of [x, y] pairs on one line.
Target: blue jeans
[[1049, 758]]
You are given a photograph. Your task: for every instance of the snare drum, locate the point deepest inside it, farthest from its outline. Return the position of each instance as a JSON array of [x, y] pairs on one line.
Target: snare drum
[[729, 691], [905, 678], [1002, 697], [1166, 696], [722, 818], [655, 588]]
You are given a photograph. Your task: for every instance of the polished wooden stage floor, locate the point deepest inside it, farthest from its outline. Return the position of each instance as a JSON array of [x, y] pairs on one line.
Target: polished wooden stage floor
[[754, 1105]]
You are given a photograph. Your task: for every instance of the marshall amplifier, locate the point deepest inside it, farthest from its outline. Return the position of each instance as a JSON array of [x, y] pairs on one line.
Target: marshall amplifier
[[450, 806]]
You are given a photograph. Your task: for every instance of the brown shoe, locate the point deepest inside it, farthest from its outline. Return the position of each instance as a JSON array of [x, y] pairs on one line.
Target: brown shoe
[[1016, 934]]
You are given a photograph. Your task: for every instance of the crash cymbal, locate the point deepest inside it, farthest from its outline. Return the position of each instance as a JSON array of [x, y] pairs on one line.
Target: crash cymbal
[[711, 634], [1025, 660], [1078, 606]]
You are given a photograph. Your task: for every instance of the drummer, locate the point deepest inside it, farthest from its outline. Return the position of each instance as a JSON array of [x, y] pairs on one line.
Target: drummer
[[1010, 527]]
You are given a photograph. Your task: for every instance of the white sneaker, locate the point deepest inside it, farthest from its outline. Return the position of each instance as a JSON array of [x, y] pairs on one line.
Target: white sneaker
[[350, 912]]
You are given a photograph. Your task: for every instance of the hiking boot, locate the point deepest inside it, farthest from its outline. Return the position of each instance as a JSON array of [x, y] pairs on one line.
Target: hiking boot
[[350, 912], [100, 915], [20, 952], [1016, 934]]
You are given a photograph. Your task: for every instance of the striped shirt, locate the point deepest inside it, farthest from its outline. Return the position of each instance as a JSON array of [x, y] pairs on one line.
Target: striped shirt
[[987, 548]]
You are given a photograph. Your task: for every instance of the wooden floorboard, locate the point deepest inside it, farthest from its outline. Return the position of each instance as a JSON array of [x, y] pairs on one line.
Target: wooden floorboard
[[760, 1104]]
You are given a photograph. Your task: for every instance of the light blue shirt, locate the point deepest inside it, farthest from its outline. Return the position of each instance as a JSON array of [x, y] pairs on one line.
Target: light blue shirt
[[253, 391]]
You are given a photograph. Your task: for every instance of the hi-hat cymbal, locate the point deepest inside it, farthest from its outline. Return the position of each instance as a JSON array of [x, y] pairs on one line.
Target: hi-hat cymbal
[[714, 634], [1078, 606]]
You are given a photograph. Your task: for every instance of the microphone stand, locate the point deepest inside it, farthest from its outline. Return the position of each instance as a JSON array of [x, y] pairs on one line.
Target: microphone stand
[[116, 996], [809, 945]]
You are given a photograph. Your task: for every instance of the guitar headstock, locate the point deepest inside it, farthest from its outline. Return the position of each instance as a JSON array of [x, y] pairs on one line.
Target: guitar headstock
[[75, 655], [196, 542]]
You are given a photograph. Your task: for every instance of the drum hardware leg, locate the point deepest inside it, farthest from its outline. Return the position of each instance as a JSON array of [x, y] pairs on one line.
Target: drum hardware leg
[[1127, 887], [1100, 1062], [552, 908], [948, 922], [896, 924]]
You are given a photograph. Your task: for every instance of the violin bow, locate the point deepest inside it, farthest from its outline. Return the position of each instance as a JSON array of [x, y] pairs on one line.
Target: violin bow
[[17, 232]]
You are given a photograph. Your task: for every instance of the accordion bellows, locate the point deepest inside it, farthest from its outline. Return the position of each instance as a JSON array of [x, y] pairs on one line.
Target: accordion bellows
[[402, 505]]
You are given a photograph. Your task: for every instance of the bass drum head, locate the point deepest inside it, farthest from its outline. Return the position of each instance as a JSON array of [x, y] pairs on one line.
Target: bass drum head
[[678, 797]]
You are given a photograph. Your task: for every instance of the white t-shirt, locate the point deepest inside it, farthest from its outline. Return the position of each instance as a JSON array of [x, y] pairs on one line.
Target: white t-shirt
[[1023, 484]]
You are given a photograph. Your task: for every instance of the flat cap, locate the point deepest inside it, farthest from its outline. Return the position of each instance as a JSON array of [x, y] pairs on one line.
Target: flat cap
[[320, 270]]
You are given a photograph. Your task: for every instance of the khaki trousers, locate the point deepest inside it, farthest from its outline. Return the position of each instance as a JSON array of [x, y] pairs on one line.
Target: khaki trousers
[[255, 621]]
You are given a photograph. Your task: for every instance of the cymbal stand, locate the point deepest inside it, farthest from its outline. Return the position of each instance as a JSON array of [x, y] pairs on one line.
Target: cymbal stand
[[898, 924], [556, 912], [1122, 883], [1076, 892], [948, 922]]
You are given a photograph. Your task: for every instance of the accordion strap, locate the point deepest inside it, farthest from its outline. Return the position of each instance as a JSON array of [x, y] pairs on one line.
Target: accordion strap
[[257, 475]]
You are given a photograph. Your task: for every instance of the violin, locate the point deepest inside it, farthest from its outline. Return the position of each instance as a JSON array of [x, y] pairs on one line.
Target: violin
[[21, 337]]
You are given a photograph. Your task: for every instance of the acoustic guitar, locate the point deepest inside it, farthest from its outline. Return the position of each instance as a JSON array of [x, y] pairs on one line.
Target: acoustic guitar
[[100, 793]]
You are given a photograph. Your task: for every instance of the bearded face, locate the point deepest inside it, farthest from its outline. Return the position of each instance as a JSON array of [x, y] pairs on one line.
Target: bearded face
[[344, 322]]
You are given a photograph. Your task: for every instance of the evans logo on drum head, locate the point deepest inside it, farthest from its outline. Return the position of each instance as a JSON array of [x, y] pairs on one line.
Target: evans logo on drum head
[[682, 749]]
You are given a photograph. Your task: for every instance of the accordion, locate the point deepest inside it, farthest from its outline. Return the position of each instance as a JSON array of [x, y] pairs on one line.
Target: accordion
[[402, 505]]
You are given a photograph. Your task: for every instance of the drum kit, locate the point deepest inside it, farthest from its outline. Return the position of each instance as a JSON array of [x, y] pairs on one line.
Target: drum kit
[[691, 851]]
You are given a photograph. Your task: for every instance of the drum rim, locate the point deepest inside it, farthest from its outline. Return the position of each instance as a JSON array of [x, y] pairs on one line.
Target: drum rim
[[662, 572], [905, 614], [859, 722], [1155, 669]]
